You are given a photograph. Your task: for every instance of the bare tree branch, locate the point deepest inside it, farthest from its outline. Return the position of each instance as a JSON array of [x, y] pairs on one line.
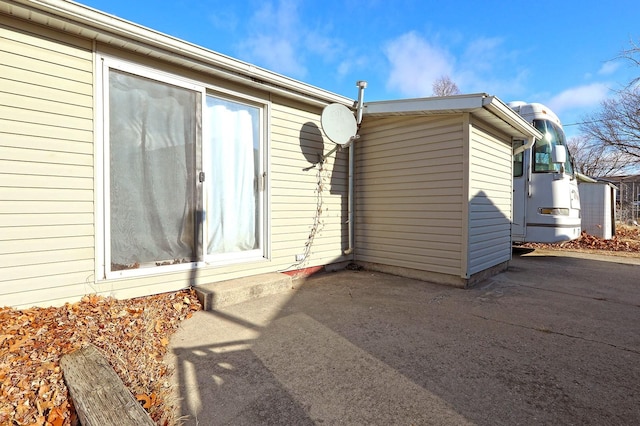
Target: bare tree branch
[[592, 158], [444, 86], [632, 54], [611, 136], [616, 125]]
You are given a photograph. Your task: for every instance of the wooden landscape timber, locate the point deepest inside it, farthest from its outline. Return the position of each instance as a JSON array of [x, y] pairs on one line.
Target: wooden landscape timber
[[98, 394]]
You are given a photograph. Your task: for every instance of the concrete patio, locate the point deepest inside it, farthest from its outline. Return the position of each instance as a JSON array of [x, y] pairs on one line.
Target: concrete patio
[[553, 340]]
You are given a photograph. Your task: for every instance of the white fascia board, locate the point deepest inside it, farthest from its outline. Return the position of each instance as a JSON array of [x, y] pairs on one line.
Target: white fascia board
[[59, 14], [515, 121], [502, 110], [479, 104], [426, 106]]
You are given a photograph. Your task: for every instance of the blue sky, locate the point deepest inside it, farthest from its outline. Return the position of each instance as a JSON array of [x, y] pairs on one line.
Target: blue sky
[[560, 53]]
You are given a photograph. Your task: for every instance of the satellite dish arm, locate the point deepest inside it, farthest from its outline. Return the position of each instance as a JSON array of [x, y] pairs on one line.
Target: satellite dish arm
[[361, 86]]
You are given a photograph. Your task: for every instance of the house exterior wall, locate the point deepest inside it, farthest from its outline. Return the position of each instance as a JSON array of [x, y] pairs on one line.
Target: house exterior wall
[[50, 177], [490, 198], [409, 193], [46, 165], [309, 203]]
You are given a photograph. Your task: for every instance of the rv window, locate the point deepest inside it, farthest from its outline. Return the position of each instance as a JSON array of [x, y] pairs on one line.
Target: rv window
[[518, 160], [552, 135]]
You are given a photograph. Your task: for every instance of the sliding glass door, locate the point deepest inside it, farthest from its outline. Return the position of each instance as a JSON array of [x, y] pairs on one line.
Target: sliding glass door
[[184, 175]]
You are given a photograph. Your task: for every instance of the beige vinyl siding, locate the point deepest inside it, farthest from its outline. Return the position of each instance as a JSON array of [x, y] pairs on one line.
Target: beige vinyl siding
[[46, 166], [490, 199], [302, 194], [409, 188]]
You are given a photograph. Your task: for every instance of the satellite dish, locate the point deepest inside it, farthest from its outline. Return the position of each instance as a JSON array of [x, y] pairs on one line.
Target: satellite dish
[[338, 123]]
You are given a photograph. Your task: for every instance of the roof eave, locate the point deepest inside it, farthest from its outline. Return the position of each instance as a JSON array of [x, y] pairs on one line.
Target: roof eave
[[425, 106], [479, 104], [90, 23], [503, 111]]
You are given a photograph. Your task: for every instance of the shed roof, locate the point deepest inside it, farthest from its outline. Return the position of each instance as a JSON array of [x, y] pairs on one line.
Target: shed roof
[[487, 108], [92, 24]]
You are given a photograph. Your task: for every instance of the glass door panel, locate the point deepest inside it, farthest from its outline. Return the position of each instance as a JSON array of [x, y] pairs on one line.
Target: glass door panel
[[152, 142], [231, 142]]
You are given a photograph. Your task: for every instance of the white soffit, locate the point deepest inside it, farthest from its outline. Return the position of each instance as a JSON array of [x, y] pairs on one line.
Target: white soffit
[[85, 22], [487, 108]]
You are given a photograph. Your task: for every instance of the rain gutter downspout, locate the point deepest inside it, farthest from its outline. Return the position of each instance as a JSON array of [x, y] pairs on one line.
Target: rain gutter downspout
[[350, 202], [352, 161]]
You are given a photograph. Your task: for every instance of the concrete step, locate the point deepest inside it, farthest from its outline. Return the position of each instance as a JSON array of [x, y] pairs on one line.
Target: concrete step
[[224, 293]]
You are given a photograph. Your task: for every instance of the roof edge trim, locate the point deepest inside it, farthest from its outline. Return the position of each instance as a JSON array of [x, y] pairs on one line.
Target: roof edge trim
[[502, 110], [41, 11]]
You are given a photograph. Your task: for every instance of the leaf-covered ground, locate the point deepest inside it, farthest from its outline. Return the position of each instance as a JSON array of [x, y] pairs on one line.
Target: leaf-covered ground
[[132, 334], [626, 242]]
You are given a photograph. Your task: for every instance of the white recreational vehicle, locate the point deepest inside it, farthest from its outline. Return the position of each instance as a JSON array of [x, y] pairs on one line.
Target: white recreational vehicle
[[546, 202]]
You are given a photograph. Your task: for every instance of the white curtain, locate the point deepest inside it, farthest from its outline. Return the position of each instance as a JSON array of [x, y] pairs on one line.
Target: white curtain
[[152, 144], [231, 134]]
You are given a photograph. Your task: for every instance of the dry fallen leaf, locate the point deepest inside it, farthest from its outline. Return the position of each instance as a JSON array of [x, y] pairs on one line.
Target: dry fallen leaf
[[145, 400], [32, 388], [627, 239]]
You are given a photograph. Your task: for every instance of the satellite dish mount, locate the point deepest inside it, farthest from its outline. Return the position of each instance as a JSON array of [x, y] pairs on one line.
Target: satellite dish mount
[[339, 125]]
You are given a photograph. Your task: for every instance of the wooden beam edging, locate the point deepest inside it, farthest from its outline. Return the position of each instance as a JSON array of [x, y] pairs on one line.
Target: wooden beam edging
[[98, 394]]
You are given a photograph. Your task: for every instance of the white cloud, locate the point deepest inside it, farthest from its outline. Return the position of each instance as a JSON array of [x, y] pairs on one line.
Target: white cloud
[[579, 97], [326, 48], [274, 40], [416, 64], [488, 66], [608, 68], [275, 53], [224, 20], [349, 64], [283, 16], [482, 53], [483, 65], [279, 40]]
